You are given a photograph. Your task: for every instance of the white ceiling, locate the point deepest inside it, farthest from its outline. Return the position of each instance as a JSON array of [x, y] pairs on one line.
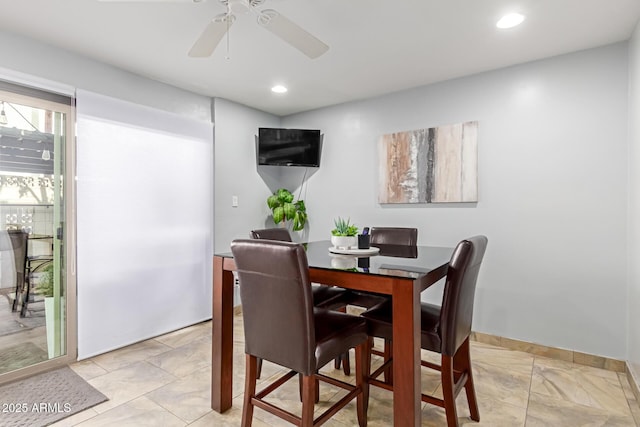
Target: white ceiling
[[376, 46]]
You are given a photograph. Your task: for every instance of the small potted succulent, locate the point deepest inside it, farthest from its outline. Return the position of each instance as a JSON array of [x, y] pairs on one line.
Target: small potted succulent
[[344, 236]]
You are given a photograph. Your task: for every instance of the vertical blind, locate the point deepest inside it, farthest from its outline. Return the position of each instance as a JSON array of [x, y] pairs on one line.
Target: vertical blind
[[144, 220]]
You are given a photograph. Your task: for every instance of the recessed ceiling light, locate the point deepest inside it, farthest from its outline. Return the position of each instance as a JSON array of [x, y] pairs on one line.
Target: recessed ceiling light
[[279, 89], [510, 20]]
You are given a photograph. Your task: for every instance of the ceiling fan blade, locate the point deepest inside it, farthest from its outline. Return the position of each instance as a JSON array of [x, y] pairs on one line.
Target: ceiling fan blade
[[211, 36], [292, 33]]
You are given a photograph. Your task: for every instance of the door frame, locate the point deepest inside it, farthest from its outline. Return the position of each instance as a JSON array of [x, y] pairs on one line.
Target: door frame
[[69, 187]]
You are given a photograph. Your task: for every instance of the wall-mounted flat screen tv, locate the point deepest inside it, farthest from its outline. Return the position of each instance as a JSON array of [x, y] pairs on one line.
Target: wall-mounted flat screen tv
[[289, 147]]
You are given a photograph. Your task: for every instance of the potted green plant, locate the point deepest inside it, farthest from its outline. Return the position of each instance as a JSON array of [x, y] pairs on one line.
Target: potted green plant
[[344, 235], [45, 282], [283, 208]]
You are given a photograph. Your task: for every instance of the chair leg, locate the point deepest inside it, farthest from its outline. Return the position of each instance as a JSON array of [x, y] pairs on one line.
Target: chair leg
[[25, 299], [346, 363], [343, 358], [448, 394], [363, 366], [367, 367], [259, 372], [309, 384], [301, 388], [388, 354], [249, 389], [462, 363], [18, 292], [14, 306]]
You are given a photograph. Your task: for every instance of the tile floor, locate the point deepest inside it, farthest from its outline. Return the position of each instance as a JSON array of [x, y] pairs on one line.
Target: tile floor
[[166, 382], [16, 331]]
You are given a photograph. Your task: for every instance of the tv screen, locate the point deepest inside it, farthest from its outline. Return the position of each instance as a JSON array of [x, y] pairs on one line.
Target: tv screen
[[289, 147]]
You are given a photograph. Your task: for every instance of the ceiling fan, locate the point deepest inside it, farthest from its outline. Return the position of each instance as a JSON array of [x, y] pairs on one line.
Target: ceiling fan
[[269, 19]]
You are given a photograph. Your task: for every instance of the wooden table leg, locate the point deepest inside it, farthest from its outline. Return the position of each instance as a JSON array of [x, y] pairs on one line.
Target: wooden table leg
[[222, 339], [406, 354]]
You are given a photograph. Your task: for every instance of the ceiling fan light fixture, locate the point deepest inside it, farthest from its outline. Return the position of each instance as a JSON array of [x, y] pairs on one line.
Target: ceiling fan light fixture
[[510, 20], [3, 116], [239, 6], [269, 19], [279, 89]]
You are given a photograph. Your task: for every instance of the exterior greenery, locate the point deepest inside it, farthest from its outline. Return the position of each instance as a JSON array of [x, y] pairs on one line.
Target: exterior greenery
[[284, 208], [45, 284], [344, 228]]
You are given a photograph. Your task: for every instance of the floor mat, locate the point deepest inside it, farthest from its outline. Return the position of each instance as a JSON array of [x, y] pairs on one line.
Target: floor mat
[[46, 398]]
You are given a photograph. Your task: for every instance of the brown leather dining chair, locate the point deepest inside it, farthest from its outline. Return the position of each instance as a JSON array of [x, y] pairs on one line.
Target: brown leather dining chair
[[445, 329], [282, 325], [321, 293], [281, 234], [392, 240], [402, 236], [381, 236]]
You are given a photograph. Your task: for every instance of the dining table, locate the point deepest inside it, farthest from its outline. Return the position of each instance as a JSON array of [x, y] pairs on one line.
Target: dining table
[[397, 271]]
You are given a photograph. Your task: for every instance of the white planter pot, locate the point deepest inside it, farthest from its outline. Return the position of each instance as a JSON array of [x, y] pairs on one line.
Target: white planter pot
[[49, 322], [344, 242], [49, 319]]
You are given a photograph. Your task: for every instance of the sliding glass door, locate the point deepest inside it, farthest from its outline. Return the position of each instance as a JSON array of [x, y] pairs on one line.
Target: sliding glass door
[[37, 277]]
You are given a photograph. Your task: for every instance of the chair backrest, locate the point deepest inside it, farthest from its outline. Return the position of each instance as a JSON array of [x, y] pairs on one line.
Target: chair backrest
[[19, 242], [16, 242], [277, 302], [456, 312], [281, 234], [394, 236]]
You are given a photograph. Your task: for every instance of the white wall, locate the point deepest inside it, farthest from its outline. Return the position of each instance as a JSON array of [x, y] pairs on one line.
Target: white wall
[[633, 298], [552, 190], [236, 172], [37, 59]]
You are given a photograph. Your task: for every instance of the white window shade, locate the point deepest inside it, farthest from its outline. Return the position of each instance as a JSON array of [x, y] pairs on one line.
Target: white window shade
[[145, 227]]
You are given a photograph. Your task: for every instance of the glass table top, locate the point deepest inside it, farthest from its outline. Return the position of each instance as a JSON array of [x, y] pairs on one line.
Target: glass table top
[[392, 260]]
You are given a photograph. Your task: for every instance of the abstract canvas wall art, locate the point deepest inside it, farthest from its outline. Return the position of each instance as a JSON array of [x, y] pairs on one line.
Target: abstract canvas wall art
[[434, 165]]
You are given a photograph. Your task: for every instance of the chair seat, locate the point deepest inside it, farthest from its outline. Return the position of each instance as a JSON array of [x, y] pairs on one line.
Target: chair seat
[[336, 333], [349, 297], [339, 301], [380, 324], [324, 293]]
